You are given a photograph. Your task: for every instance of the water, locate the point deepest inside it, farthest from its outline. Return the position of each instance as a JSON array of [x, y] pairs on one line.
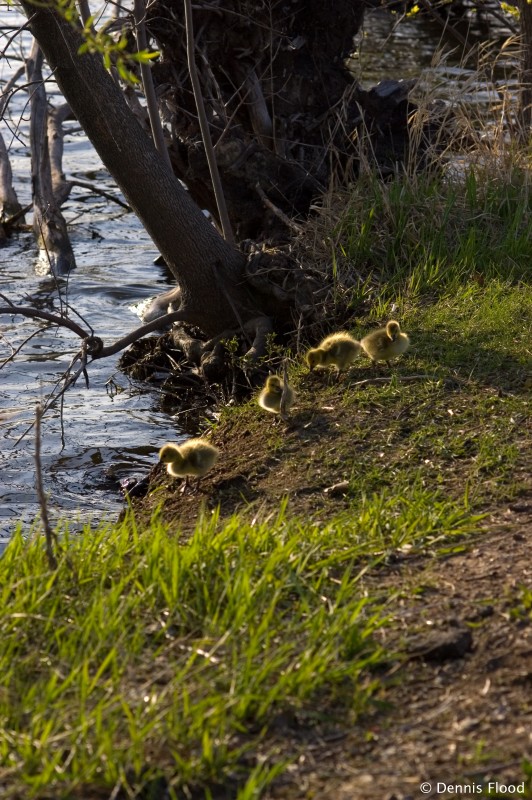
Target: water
[[109, 435], [475, 73]]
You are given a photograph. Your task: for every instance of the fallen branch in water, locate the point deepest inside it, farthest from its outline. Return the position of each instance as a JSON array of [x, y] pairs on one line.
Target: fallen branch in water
[[94, 345], [102, 192]]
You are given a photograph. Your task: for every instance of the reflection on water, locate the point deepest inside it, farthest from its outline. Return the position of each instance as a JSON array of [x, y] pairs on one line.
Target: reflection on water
[[110, 437]]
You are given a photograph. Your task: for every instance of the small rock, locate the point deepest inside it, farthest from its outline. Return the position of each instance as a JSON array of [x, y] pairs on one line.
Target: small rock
[[337, 488], [441, 646]]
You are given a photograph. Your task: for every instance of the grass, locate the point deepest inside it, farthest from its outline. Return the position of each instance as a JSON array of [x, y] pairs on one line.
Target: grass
[[141, 660], [461, 431], [427, 235]]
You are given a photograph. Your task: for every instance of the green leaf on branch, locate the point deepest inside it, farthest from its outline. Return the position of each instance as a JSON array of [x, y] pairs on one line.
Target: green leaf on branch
[[114, 51]]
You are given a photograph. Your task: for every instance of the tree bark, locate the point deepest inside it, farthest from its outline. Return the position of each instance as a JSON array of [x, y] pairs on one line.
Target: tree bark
[[196, 254], [9, 203], [56, 116], [48, 223]]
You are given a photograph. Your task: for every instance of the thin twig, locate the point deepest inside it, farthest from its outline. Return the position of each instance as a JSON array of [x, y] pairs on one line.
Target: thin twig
[[4, 96], [49, 534], [404, 379], [96, 190], [147, 84], [277, 211], [285, 393], [223, 214], [16, 350]]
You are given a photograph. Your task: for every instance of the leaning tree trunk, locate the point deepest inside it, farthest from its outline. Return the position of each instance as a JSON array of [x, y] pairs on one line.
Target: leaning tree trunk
[[207, 269]]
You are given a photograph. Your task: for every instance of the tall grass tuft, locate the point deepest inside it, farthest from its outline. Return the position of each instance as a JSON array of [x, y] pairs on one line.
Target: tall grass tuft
[[140, 658]]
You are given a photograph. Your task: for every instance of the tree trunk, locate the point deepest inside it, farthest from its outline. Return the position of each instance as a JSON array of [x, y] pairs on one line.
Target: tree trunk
[[9, 203], [280, 102], [207, 269], [56, 118], [48, 223]]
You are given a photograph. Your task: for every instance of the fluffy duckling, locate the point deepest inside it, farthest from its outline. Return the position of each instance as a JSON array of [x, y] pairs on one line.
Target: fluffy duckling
[[386, 343], [337, 350], [271, 396], [194, 457]]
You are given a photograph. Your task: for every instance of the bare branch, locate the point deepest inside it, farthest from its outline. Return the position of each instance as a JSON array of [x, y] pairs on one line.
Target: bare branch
[[205, 130], [84, 11], [49, 534], [48, 223], [277, 211], [14, 218], [138, 333], [54, 126], [9, 204], [102, 192], [95, 346], [33, 313], [147, 83]]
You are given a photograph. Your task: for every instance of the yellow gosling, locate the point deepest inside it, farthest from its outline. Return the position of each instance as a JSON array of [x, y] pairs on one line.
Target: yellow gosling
[[193, 458], [337, 350], [271, 396], [386, 343]]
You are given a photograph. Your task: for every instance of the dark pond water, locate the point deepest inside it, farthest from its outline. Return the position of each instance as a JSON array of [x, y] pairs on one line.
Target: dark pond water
[[113, 430]]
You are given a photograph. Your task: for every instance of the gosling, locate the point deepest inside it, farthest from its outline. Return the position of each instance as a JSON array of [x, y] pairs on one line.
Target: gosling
[[386, 343], [195, 457], [271, 396], [337, 350]]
